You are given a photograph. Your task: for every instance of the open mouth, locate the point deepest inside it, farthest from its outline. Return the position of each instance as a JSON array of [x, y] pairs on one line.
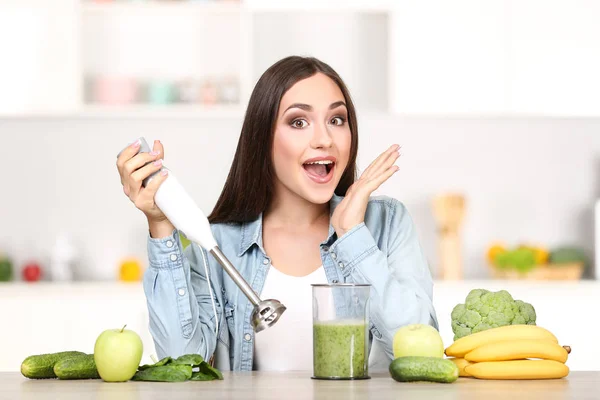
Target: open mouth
[[320, 171]]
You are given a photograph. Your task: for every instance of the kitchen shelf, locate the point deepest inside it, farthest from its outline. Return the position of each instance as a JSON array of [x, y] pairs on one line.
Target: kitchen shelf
[[322, 5], [138, 111], [161, 111], [161, 7]]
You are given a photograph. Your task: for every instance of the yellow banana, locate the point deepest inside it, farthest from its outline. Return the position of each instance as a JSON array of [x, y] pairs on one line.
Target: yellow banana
[[465, 344], [519, 369], [518, 350], [461, 363]]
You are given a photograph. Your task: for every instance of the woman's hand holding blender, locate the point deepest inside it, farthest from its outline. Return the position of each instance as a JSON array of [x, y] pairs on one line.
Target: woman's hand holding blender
[[133, 170], [134, 167]]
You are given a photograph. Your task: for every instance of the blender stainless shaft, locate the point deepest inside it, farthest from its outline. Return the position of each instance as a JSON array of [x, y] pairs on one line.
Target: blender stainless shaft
[[235, 276], [266, 312]]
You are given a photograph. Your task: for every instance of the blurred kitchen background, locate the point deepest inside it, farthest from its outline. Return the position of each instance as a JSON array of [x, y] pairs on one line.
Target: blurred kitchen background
[[495, 104]]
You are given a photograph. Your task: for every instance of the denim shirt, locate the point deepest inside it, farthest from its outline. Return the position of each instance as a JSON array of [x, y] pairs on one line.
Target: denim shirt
[[383, 251]]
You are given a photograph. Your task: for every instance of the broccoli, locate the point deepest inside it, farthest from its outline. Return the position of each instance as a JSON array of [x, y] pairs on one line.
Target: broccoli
[[484, 310]]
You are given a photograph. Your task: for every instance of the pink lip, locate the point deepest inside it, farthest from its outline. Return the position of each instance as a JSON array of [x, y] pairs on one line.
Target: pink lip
[[318, 178]]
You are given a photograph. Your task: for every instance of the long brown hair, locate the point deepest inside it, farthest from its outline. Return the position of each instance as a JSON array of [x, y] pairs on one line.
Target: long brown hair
[[249, 185]]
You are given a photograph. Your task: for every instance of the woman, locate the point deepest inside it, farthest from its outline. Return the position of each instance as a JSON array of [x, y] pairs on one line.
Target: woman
[[291, 213]]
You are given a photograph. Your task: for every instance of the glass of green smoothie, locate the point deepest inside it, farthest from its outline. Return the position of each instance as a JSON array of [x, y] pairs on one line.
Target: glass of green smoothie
[[340, 331]]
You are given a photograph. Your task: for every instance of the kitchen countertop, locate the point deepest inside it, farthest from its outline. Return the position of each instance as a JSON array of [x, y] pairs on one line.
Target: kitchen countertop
[[298, 385]]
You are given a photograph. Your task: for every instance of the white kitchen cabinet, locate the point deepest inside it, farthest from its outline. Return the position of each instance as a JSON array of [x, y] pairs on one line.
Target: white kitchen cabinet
[[405, 57], [48, 317], [39, 71], [555, 57], [448, 57], [354, 43], [499, 57]]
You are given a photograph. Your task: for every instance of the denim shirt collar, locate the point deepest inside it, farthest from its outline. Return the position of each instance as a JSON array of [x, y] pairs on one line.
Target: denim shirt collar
[[252, 231]]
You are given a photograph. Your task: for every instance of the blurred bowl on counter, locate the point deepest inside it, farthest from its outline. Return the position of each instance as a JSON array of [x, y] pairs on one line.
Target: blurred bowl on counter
[[160, 92], [229, 91], [188, 91], [208, 92], [115, 90], [536, 262]]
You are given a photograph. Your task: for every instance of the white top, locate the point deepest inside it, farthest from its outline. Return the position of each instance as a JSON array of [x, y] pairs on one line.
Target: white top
[[287, 345]]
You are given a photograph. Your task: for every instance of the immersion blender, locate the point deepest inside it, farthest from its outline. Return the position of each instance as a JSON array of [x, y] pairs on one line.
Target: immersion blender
[[186, 216]]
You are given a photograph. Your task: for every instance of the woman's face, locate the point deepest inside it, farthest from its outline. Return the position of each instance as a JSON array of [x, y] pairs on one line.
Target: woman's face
[[312, 139]]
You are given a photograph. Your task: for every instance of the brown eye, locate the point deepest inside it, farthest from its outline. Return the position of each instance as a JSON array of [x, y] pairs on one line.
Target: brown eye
[[337, 121], [299, 123]]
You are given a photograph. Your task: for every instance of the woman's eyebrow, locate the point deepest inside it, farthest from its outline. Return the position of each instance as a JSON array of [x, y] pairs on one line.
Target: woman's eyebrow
[[307, 107], [337, 104], [301, 106]]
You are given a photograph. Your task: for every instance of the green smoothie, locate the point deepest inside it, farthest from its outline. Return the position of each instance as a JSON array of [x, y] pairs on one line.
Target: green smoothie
[[339, 349]]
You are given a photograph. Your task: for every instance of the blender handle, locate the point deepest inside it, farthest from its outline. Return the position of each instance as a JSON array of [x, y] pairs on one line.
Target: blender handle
[[179, 207], [181, 210]]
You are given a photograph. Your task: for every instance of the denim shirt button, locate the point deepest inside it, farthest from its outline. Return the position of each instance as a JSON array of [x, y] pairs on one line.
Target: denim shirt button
[[173, 257], [334, 281], [266, 261], [325, 248], [333, 255], [169, 243], [341, 265], [247, 336]]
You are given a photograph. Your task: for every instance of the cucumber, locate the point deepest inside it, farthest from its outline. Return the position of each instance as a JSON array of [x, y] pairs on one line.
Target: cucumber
[[41, 366], [430, 369], [77, 367]]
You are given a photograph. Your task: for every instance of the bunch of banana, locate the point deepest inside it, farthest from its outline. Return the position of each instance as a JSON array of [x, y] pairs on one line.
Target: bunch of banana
[[507, 352]]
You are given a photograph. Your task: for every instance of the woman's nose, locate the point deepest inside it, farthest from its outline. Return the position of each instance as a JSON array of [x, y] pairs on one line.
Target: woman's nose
[[321, 137]]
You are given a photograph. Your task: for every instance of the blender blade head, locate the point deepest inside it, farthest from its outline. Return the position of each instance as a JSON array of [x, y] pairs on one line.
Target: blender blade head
[[266, 314]]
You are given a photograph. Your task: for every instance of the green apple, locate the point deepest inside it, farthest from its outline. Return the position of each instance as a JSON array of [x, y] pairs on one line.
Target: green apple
[[117, 354], [418, 340]]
